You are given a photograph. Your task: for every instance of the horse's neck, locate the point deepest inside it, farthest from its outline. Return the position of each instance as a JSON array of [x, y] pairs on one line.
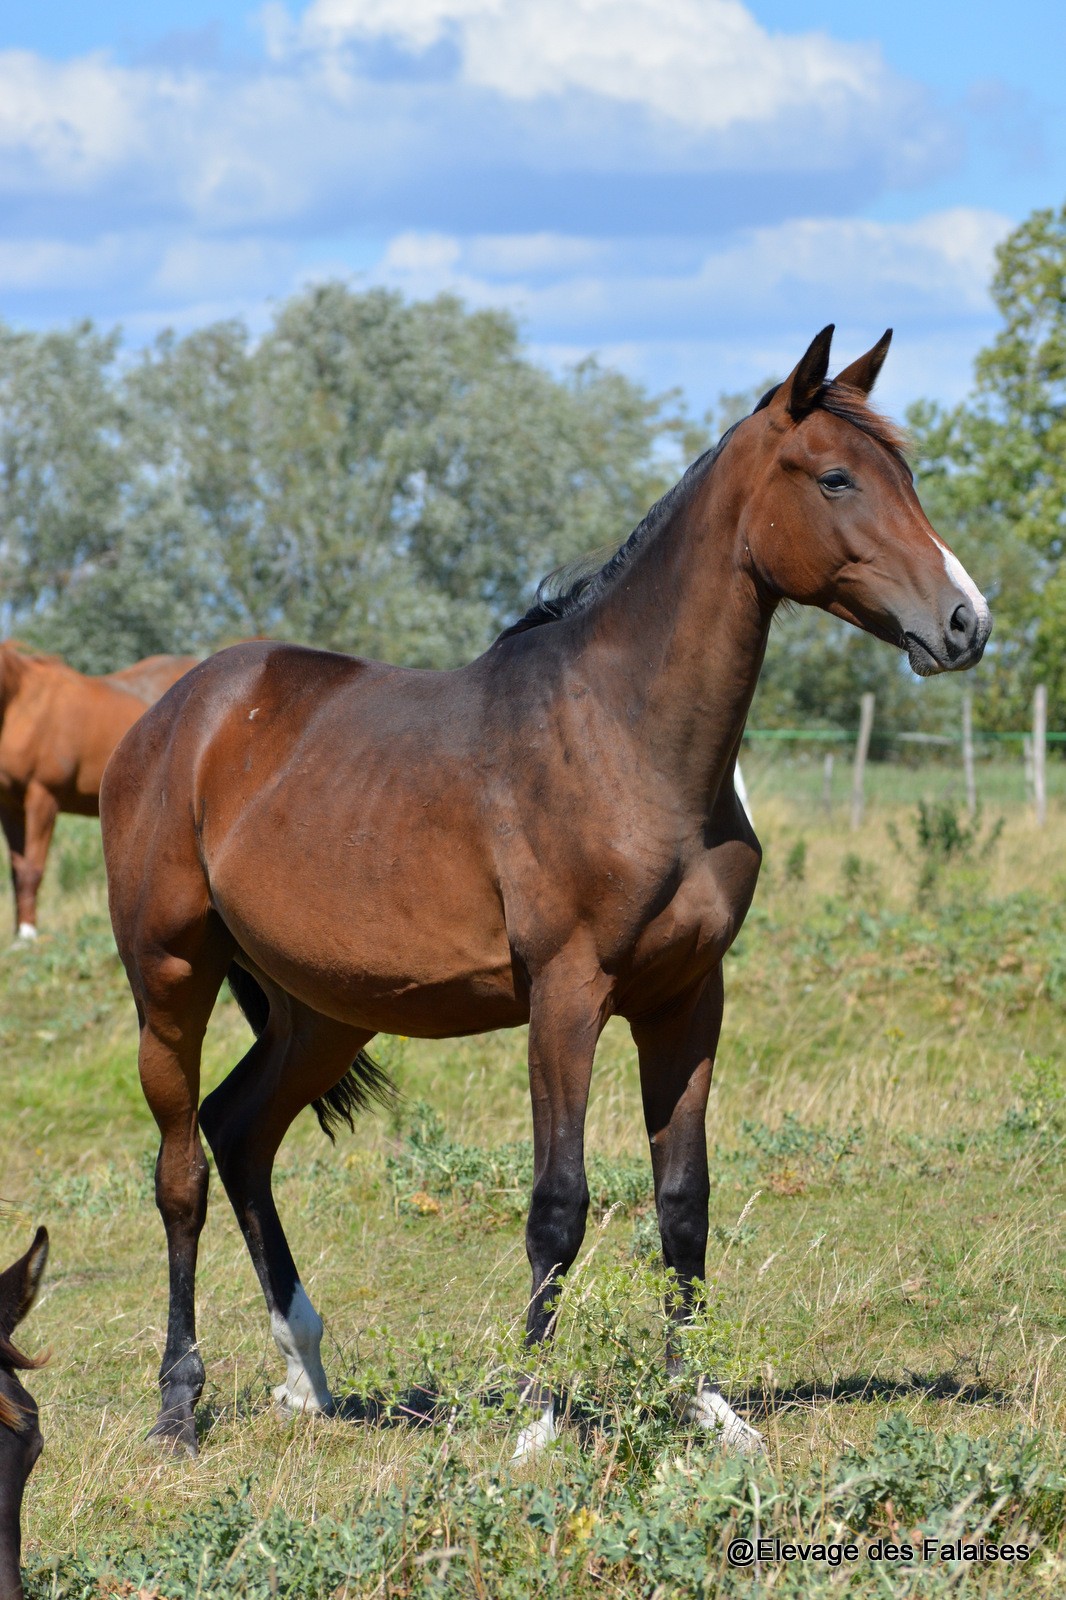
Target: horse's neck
[[687, 627], [14, 669]]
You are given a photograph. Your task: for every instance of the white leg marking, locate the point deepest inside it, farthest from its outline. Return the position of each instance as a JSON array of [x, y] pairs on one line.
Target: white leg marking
[[27, 930], [299, 1338], [709, 1410], [742, 792], [535, 1435]]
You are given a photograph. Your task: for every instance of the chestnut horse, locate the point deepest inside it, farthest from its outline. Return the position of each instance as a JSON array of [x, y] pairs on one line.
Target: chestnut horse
[[57, 729], [20, 1437], [151, 678], [549, 835]]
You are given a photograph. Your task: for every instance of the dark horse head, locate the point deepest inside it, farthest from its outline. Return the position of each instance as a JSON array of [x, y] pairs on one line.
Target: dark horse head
[[833, 519], [20, 1437]]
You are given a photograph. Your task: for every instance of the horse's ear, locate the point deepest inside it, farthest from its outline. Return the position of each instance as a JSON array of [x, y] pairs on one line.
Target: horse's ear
[[799, 393], [862, 374], [20, 1283]]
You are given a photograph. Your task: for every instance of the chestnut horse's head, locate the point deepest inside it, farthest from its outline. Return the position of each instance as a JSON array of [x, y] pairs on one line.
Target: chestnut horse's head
[[20, 1435], [833, 520]]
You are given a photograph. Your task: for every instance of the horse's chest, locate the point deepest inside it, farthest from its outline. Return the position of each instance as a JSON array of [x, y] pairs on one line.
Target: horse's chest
[[693, 931]]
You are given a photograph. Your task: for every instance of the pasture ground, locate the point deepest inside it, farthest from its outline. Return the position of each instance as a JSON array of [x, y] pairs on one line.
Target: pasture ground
[[888, 1262]]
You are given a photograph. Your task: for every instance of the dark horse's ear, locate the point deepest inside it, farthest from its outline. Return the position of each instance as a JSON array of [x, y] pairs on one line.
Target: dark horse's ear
[[862, 374], [20, 1283], [799, 393]]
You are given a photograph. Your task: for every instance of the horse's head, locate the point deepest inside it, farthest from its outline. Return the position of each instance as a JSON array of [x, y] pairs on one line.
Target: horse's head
[[20, 1436], [833, 519]]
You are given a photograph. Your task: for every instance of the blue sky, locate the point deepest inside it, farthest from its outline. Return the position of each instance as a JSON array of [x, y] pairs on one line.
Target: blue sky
[[690, 188]]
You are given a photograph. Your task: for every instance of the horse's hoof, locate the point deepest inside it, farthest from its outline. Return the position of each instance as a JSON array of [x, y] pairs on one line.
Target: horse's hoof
[[27, 931], [535, 1435], [708, 1409], [175, 1436], [290, 1404]]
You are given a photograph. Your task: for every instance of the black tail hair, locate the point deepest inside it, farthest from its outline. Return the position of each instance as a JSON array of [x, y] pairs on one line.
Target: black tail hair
[[363, 1083]]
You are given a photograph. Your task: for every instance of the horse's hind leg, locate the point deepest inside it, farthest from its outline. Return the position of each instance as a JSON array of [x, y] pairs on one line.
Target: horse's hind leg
[[299, 1057], [676, 1049], [175, 989]]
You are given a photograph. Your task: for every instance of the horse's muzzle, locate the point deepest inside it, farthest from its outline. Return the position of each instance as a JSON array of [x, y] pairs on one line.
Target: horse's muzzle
[[961, 645]]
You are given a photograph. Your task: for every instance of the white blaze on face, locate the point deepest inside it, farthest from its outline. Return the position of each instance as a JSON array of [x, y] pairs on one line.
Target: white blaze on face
[[298, 1336], [962, 580]]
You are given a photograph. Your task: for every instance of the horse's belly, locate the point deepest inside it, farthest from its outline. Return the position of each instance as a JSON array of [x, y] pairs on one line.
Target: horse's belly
[[409, 946]]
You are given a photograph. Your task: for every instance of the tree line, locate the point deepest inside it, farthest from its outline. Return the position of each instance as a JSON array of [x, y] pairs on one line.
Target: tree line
[[392, 479]]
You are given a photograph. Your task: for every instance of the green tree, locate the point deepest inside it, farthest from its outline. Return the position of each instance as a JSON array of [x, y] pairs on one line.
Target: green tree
[[993, 471], [372, 475], [62, 464]]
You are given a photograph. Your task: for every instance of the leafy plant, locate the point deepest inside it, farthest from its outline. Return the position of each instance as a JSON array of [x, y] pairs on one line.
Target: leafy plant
[[656, 1524], [796, 862], [1041, 1089], [941, 837]]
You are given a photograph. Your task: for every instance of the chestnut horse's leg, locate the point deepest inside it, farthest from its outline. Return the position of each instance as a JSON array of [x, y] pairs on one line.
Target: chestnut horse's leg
[[28, 831], [175, 995], [676, 1049], [566, 1019], [297, 1059]]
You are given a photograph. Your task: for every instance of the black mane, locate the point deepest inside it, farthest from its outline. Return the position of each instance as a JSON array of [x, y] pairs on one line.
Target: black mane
[[572, 587]]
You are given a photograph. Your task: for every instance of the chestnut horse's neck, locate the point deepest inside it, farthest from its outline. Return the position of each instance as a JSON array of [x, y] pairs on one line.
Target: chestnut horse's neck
[[683, 630]]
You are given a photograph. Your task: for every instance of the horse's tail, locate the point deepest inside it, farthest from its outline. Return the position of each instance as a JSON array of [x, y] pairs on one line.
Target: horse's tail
[[363, 1083]]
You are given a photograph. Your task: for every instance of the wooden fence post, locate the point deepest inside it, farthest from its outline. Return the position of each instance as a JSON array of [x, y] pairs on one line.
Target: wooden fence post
[[1040, 753], [866, 722], [827, 784], [967, 753]]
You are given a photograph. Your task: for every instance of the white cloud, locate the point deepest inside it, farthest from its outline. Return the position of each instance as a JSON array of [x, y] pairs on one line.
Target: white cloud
[[43, 264], [705, 64], [189, 267], [835, 269], [73, 120], [563, 114]]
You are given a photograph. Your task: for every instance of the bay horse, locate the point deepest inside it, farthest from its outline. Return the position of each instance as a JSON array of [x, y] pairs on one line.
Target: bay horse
[[57, 729], [20, 1436], [548, 835]]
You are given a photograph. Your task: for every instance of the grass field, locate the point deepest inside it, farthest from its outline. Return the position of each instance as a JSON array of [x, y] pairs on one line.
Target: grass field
[[888, 1270]]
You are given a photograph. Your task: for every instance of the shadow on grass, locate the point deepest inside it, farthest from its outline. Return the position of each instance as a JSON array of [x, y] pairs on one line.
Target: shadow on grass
[[420, 1407], [759, 1401]]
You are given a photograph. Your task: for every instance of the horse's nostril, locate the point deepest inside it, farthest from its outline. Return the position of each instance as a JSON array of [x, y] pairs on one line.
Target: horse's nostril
[[962, 619]]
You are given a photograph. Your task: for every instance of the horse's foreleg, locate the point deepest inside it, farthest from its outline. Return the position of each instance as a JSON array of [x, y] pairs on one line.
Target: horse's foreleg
[[676, 1050], [298, 1059], [566, 1018], [28, 829], [41, 810]]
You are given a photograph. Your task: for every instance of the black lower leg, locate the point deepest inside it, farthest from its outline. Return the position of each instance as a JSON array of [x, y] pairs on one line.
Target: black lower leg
[[181, 1375], [554, 1231]]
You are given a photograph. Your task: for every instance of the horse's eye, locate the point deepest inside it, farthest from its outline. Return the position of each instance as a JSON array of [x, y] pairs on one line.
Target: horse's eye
[[835, 481]]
